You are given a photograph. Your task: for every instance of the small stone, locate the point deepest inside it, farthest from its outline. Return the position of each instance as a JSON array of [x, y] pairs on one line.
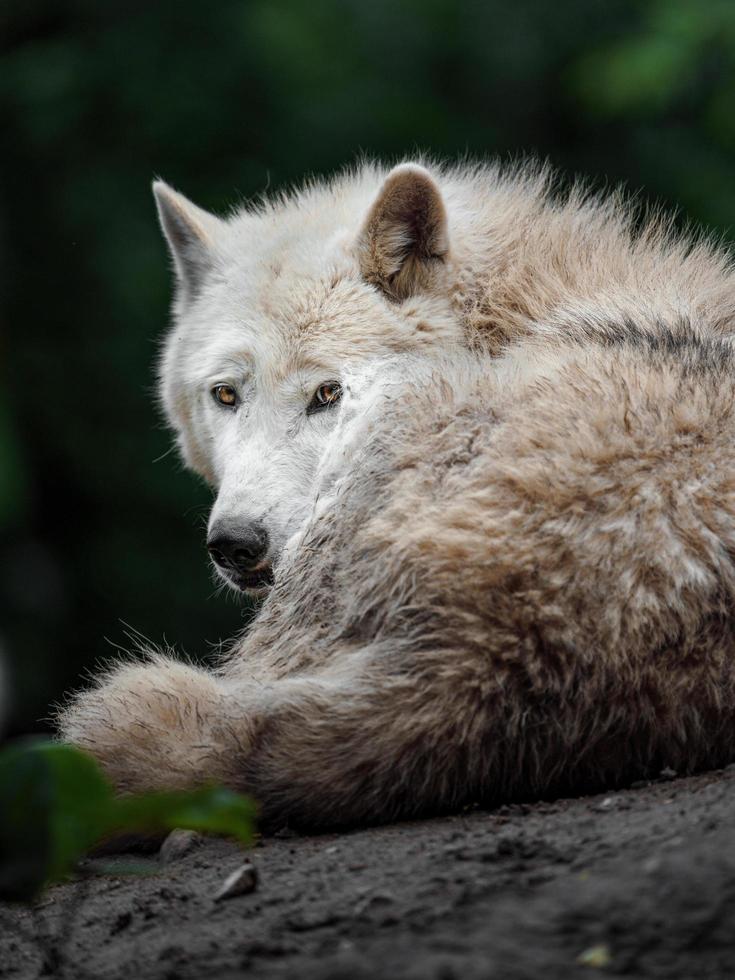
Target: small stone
[[242, 881], [668, 773], [604, 805], [597, 957], [178, 844]]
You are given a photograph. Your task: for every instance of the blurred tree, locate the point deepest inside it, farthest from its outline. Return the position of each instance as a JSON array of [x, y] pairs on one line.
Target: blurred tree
[[99, 525], [668, 87]]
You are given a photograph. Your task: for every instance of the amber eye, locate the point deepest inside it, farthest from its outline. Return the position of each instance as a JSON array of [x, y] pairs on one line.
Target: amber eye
[[225, 395], [325, 396]]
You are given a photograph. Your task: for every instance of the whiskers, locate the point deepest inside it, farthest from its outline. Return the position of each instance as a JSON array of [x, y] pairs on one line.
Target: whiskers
[[200, 514], [223, 588]]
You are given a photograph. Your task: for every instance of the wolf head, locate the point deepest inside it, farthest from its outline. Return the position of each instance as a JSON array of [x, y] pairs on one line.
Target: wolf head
[[275, 308]]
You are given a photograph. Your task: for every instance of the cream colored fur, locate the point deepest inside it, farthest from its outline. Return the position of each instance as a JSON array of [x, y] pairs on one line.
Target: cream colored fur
[[505, 565]]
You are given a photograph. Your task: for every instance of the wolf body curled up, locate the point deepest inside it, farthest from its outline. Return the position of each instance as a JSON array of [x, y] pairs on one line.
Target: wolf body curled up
[[474, 446]]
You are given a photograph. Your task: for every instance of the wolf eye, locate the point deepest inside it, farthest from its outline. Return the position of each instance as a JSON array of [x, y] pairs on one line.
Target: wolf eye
[[325, 396], [225, 395]]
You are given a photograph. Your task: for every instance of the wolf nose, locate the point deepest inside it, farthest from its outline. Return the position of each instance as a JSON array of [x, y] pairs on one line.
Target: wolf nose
[[238, 548]]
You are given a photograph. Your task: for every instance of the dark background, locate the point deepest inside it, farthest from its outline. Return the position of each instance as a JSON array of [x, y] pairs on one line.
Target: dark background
[[99, 526]]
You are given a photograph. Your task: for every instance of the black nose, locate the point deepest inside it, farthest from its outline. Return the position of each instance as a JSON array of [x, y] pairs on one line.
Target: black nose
[[237, 547]]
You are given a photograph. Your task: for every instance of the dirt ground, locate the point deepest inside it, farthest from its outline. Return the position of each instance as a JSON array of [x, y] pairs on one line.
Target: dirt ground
[[638, 883]]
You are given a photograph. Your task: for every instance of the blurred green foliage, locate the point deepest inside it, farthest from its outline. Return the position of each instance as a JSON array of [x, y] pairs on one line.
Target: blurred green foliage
[[99, 526], [55, 804]]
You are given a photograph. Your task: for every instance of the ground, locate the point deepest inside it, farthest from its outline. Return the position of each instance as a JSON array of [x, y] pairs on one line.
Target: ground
[[636, 883]]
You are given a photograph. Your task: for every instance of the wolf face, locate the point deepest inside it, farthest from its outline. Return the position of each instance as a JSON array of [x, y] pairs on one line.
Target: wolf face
[[275, 308]]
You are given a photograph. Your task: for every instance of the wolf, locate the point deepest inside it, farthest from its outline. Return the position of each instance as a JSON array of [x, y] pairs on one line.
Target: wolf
[[473, 447]]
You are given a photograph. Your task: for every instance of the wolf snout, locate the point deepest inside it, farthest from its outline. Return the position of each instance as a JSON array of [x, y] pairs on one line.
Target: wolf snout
[[237, 549]]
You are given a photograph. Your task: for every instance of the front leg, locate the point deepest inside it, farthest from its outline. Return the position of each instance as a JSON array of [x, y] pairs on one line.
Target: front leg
[[372, 739], [159, 724], [356, 741]]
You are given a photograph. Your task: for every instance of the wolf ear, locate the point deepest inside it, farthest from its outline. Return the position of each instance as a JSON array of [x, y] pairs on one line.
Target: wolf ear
[[190, 233], [405, 238]]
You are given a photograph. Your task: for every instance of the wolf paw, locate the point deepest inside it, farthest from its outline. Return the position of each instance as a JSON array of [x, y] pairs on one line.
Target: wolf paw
[[152, 725]]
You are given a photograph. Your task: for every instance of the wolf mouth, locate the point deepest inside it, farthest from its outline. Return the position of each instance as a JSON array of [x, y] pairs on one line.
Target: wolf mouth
[[259, 580]]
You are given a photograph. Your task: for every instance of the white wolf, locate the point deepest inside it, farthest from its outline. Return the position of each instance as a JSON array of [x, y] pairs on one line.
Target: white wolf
[[475, 445]]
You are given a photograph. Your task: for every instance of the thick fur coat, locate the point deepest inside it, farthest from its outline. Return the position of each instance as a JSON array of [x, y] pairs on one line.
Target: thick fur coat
[[504, 565]]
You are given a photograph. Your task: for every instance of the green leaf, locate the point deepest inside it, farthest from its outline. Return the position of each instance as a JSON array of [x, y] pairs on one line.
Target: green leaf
[[210, 809], [55, 804], [53, 801]]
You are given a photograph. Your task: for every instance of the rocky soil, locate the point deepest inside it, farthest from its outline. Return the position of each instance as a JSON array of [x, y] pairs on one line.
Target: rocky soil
[[638, 883]]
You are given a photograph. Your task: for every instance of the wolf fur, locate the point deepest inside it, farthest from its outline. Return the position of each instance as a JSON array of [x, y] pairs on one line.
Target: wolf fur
[[504, 565]]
